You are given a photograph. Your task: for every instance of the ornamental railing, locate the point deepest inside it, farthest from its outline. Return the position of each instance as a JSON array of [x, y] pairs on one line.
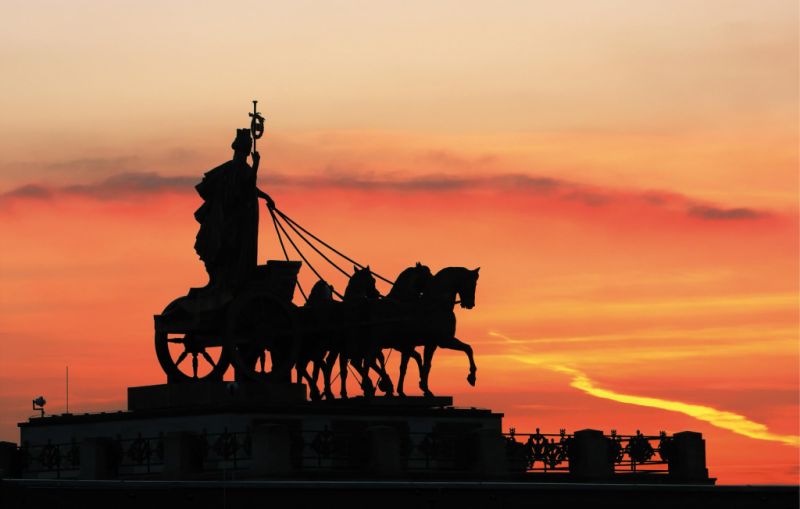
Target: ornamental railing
[[232, 454], [547, 452]]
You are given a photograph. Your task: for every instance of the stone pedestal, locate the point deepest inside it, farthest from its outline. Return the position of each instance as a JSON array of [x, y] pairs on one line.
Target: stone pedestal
[[383, 457], [590, 455], [687, 457], [182, 455], [209, 431], [272, 451], [488, 454], [98, 459], [213, 394]]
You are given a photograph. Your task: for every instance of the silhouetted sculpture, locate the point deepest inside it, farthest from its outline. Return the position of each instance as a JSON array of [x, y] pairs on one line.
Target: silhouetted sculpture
[[227, 242], [247, 311]]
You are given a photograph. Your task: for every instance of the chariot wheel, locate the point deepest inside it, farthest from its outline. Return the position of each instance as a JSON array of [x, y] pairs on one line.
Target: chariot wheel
[[261, 333], [188, 356]]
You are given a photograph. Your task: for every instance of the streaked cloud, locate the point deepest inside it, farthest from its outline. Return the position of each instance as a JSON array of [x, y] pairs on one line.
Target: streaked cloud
[[28, 191], [564, 362], [720, 418], [716, 213], [124, 184], [134, 183]]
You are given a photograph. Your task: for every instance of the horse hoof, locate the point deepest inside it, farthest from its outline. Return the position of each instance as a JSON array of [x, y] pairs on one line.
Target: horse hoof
[[471, 379], [385, 386], [401, 394], [428, 394], [368, 390]]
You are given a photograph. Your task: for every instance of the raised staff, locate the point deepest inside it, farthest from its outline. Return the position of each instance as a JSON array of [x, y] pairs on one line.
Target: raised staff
[[256, 124]]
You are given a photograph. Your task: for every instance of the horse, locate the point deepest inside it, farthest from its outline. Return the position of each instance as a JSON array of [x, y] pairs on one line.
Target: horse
[[318, 316], [448, 285], [360, 291], [408, 288], [430, 322]]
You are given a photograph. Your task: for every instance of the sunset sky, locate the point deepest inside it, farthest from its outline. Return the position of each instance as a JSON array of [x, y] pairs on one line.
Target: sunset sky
[[625, 173]]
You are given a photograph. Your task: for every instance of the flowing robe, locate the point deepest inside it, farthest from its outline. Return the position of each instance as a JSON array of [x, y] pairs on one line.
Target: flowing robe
[[227, 241]]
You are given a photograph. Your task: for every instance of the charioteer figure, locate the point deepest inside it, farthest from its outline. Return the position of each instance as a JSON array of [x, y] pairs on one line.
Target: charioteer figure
[[227, 241]]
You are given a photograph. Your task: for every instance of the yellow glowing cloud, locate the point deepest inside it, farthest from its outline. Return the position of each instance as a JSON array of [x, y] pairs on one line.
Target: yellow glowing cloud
[[722, 419], [719, 418]]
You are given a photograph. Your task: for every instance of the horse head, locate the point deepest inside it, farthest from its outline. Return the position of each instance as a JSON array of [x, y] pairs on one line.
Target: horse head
[[452, 282], [466, 290], [361, 285]]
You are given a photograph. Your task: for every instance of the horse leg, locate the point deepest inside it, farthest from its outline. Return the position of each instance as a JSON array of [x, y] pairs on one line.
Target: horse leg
[[385, 381], [417, 357], [402, 377], [327, 367], [426, 369], [361, 366], [318, 363], [343, 375], [454, 343], [366, 382], [406, 355], [302, 373]]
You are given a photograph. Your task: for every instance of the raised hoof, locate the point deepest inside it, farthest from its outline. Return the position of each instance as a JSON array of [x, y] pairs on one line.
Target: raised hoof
[[471, 379]]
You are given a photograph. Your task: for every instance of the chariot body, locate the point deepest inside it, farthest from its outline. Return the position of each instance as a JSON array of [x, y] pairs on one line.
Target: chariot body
[[216, 330]]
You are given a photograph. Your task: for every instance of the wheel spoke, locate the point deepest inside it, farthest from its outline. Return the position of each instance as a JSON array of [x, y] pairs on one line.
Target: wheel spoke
[[181, 357], [208, 358]]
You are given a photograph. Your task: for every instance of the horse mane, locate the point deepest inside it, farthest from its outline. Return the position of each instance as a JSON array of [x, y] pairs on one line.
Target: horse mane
[[400, 286], [450, 271]]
